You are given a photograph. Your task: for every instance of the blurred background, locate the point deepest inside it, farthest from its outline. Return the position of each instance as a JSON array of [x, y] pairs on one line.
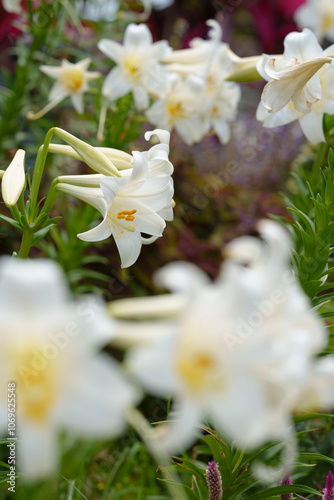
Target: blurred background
[[220, 190]]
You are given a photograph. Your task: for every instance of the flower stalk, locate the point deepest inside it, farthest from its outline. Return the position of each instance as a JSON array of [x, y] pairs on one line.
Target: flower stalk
[[26, 243], [38, 172]]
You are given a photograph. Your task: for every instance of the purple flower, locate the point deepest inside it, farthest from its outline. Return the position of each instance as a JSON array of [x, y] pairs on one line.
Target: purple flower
[[214, 481], [286, 481], [329, 488]]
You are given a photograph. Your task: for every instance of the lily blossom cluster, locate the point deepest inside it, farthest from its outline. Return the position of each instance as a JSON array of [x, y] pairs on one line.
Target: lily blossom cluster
[[199, 99], [300, 87], [318, 15], [188, 86], [51, 357], [238, 351], [134, 194]]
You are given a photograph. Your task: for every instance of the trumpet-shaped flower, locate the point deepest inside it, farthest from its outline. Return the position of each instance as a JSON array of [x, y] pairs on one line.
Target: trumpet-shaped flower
[[138, 69], [130, 205], [300, 86], [240, 350], [318, 15], [72, 81], [50, 351], [13, 179]]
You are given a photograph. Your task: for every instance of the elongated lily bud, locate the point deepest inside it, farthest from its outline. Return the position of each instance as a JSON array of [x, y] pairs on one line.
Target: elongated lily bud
[[13, 179], [120, 159], [92, 180], [286, 481], [328, 492], [243, 68], [1, 173], [214, 481], [90, 155]]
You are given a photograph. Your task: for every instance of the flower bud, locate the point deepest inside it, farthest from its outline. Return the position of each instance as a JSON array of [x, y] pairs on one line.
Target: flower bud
[[90, 155], [13, 179]]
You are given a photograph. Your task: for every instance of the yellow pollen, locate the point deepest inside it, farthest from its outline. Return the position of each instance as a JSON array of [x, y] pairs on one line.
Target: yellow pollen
[[73, 79], [132, 67], [291, 106], [327, 21], [175, 109], [36, 384], [127, 215], [199, 371]]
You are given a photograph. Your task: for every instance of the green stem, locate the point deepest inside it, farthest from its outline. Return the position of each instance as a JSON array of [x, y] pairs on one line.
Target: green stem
[[50, 200], [318, 162], [151, 440], [26, 243], [38, 172]]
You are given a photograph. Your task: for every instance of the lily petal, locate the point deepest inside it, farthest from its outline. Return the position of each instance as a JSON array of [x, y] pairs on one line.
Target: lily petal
[[290, 84], [128, 244], [98, 233]]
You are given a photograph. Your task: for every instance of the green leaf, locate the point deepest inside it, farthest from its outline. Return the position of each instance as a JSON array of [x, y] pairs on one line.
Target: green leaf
[[279, 490], [328, 234], [320, 215], [331, 161], [181, 490], [311, 287], [188, 465], [311, 416], [12, 222], [40, 234], [329, 192], [309, 224]]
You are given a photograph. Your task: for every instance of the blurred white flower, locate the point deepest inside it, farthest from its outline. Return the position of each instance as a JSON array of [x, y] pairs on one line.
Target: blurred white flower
[[13, 6], [301, 85], [72, 81], [13, 179], [138, 69], [239, 352], [318, 393], [318, 15], [98, 10], [50, 348], [182, 108], [157, 4], [199, 99], [131, 205]]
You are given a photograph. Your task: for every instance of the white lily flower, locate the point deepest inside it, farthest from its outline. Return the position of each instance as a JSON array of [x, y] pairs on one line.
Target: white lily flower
[[181, 108], [318, 15], [241, 349], [130, 205], [50, 349], [301, 86], [138, 69], [72, 81], [13, 179]]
